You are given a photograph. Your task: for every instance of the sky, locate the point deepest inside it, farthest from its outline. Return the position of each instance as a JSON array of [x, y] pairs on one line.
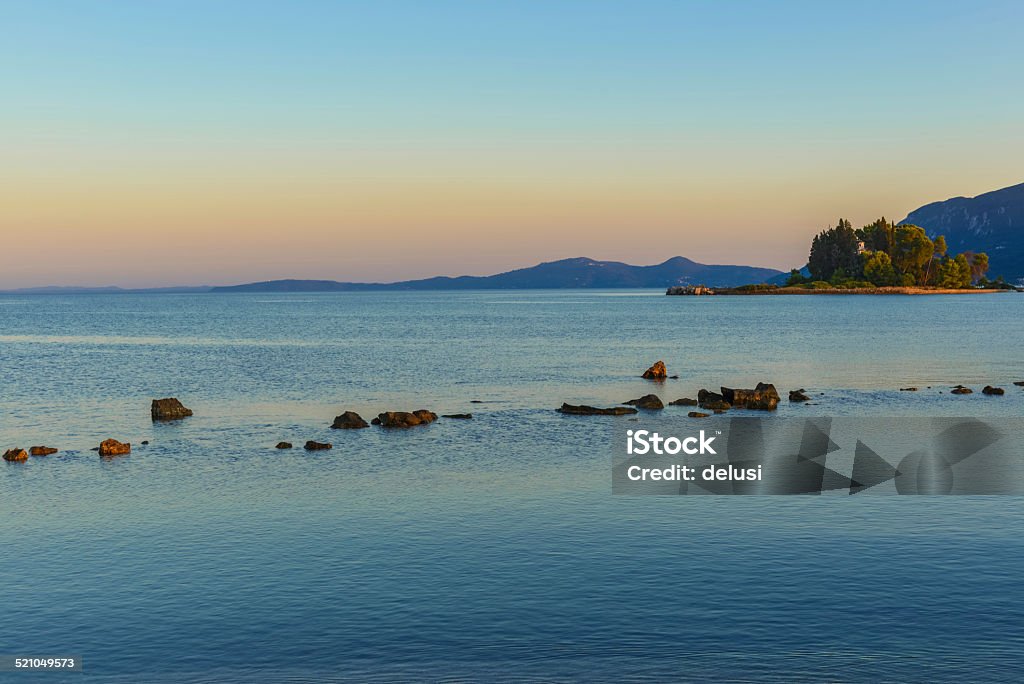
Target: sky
[[185, 143]]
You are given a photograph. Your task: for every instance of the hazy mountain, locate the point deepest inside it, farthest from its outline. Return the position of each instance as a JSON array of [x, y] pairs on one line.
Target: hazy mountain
[[567, 273], [109, 289], [991, 223]]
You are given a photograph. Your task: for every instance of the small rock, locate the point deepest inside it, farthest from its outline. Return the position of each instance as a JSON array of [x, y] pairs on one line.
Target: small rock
[[403, 419], [697, 414], [15, 455], [1019, 383], [960, 389], [349, 420], [42, 451], [283, 445], [318, 446], [656, 372], [764, 397], [111, 447], [169, 409], [475, 401], [993, 391], [908, 389], [673, 377], [685, 401], [650, 402], [584, 410], [458, 416], [798, 395], [712, 400], [145, 441]]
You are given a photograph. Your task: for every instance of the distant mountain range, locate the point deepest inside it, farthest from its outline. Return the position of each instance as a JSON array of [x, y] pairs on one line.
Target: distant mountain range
[[580, 272], [992, 223]]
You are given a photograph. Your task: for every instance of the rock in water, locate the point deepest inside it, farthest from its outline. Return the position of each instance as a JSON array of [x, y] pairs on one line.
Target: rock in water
[[318, 446], [685, 401], [459, 416], [697, 414], [16, 454], [650, 402], [169, 409], [1019, 383], [993, 391], [111, 447], [960, 389], [42, 451], [349, 420], [798, 395], [764, 397], [584, 410], [402, 419], [656, 372], [712, 401], [908, 389], [283, 445]]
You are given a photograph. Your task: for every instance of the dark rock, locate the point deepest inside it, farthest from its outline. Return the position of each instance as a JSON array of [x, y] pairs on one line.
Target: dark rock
[[169, 409], [318, 446], [584, 410], [798, 395], [656, 372], [402, 419], [960, 389], [673, 377], [764, 397], [283, 445], [685, 401], [475, 401], [908, 389], [1019, 383], [145, 441], [94, 449], [42, 451], [375, 421], [719, 411], [349, 420], [458, 416], [993, 391], [697, 414], [111, 447], [650, 402], [16, 454], [712, 400]]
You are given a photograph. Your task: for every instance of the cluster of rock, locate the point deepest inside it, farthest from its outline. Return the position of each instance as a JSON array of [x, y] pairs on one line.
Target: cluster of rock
[[584, 410], [18, 454], [764, 397]]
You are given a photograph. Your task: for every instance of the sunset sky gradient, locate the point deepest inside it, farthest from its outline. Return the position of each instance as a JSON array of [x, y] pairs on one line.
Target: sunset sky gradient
[[177, 143]]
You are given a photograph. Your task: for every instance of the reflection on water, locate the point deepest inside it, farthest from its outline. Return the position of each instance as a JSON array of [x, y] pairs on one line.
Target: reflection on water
[[492, 547]]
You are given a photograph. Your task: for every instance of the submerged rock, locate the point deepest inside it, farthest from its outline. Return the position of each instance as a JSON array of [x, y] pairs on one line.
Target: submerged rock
[[908, 389], [169, 409], [697, 414], [656, 372], [15, 454], [283, 445], [403, 419], [960, 389], [111, 447], [798, 395], [650, 402], [685, 401], [318, 446], [584, 410], [42, 451], [458, 416], [349, 420], [764, 397], [993, 391]]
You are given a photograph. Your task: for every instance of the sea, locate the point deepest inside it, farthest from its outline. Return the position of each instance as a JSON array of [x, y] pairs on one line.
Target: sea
[[489, 549]]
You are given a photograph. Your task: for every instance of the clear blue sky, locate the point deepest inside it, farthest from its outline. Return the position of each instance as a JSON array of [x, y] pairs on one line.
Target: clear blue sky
[[293, 135]]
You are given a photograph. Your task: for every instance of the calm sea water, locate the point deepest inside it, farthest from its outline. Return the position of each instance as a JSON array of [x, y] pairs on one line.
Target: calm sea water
[[492, 548]]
